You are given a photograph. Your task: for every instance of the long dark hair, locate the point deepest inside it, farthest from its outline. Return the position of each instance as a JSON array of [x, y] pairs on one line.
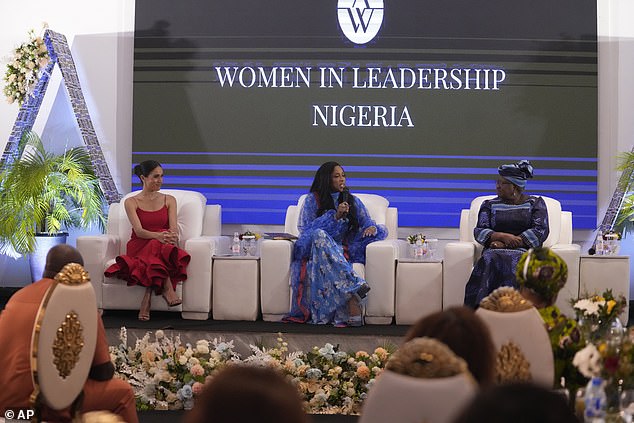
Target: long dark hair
[[145, 168], [322, 185]]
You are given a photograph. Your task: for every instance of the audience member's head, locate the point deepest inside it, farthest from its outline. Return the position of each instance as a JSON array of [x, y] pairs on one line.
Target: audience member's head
[[541, 274], [58, 257], [517, 403], [245, 394], [465, 334]]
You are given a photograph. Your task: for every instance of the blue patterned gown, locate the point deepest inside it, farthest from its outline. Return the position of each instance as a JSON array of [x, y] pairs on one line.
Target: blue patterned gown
[[496, 267], [322, 278]]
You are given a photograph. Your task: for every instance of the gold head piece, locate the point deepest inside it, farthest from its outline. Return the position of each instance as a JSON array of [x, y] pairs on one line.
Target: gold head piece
[[505, 300], [72, 274], [426, 358]]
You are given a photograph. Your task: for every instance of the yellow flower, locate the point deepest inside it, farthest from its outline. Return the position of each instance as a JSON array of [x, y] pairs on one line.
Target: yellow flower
[[603, 347], [362, 354], [611, 305]]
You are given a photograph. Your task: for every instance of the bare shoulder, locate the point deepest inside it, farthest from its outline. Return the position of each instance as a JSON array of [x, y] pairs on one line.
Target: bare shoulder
[[131, 202], [170, 200]]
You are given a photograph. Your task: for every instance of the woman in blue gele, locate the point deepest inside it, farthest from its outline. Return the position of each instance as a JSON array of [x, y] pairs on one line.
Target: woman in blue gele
[[507, 226], [335, 228]]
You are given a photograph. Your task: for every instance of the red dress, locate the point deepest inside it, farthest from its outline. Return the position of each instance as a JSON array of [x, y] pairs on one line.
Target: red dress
[[149, 262]]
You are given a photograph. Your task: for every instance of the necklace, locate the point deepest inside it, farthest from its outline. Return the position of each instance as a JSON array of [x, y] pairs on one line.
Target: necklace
[[151, 197]]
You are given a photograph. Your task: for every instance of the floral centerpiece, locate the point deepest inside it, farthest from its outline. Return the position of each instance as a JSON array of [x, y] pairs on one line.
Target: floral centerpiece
[[415, 238], [167, 374], [22, 70], [596, 314], [249, 244], [612, 359]]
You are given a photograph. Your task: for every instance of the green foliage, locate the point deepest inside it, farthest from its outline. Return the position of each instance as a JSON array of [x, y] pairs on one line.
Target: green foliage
[[625, 217], [47, 193]]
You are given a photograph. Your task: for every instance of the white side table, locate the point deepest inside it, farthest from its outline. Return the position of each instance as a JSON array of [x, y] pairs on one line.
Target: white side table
[[236, 288], [598, 273], [418, 289]]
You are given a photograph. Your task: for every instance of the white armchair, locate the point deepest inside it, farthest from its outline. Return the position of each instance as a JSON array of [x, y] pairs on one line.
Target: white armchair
[[459, 257], [379, 270], [199, 228]]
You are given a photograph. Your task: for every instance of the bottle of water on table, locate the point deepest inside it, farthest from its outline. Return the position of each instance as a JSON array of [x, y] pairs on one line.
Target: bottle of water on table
[[595, 402], [235, 245]]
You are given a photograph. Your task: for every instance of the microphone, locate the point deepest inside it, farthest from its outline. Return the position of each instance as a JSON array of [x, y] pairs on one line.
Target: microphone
[[345, 193]]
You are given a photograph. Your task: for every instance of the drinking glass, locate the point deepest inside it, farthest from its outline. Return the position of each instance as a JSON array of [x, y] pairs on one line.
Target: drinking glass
[[627, 405]]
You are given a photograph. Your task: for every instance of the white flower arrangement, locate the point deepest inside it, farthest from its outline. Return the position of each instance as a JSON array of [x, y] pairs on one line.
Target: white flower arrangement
[[23, 68], [588, 361], [166, 374]]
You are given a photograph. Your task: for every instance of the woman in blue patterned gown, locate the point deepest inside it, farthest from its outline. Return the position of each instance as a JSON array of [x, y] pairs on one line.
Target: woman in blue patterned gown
[[507, 226], [335, 227]]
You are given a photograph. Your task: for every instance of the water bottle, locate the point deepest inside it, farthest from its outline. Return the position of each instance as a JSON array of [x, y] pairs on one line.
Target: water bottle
[[235, 246], [595, 402], [600, 248]]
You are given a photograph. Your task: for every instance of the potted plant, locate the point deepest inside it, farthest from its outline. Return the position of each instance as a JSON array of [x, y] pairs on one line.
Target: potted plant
[[42, 195]]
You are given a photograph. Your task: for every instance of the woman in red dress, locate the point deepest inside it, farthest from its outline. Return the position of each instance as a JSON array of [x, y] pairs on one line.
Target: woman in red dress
[[152, 258]]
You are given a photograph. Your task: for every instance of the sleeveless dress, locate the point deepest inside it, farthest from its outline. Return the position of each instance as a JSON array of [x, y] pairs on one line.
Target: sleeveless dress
[[322, 279], [496, 267], [148, 262]]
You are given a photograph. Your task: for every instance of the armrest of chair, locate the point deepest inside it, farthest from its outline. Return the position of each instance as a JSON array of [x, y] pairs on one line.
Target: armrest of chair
[[380, 274], [457, 266], [96, 250], [197, 287], [275, 276], [391, 221], [570, 253]]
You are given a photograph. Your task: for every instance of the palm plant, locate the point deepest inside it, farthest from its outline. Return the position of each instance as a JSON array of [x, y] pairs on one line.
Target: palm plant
[[44, 193], [624, 221]]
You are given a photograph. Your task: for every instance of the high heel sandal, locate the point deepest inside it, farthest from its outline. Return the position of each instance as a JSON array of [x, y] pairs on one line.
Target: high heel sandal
[[144, 314], [175, 301]]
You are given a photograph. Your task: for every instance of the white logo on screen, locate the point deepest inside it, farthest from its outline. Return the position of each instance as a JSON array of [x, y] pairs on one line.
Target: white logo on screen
[[360, 20]]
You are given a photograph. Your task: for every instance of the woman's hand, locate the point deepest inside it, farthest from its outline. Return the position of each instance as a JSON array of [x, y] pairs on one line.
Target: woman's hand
[[505, 240], [342, 210], [369, 231], [168, 237]]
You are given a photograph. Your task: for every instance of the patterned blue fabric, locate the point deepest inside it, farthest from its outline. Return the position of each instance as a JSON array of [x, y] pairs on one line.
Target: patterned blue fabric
[[322, 295], [496, 267]]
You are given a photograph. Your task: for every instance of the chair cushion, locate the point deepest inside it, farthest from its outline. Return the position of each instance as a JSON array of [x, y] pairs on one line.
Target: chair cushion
[[67, 319], [191, 211], [399, 398], [532, 341]]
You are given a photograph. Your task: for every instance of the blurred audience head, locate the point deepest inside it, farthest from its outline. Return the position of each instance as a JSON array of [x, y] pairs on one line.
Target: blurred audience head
[[517, 403], [58, 257], [246, 394], [541, 274], [465, 334]]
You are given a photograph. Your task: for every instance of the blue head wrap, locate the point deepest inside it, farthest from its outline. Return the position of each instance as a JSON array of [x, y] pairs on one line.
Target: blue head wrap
[[517, 173]]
